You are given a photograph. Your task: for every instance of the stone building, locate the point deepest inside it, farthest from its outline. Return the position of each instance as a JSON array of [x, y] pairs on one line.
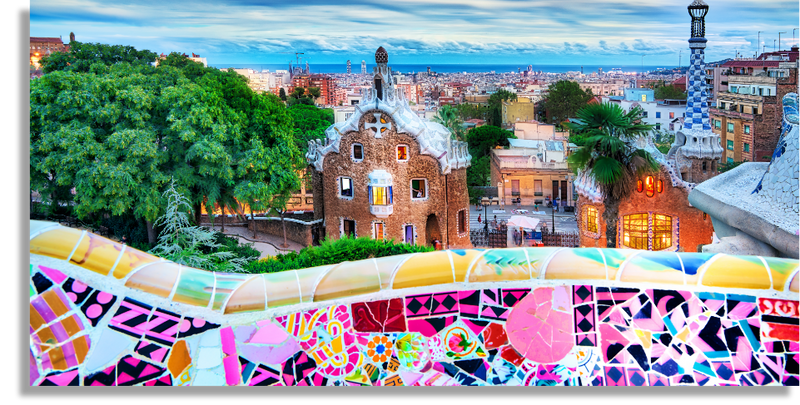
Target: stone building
[[44, 46], [658, 215], [385, 173]]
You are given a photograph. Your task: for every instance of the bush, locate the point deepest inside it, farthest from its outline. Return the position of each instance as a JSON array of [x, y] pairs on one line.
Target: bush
[[231, 244], [333, 252]]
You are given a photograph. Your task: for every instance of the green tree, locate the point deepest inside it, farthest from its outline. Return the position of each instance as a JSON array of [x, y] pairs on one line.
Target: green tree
[[471, 111], [82, 56], [669, 92], [314, 92], [495, 106], [609, 156], [310, 122], [282, 94], [483, 139], [448, 116], [564, 99]]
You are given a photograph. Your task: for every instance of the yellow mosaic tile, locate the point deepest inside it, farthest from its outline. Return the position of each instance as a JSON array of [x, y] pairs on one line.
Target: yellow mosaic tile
[[424, 269], [282, 288], [736, 272], [348, 279], [576, 264], [653, 267], [132, 259], [96, 253], [387, 266], [462, 260], [224, 285], [781, 269], [537, 257], [195, 286], [501, 265], [158, 279], [615, 258], [248, 298], [57, 243], [308, 279]]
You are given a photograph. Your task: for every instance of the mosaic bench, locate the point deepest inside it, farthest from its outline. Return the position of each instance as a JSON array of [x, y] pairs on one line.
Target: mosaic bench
[[105, 314]]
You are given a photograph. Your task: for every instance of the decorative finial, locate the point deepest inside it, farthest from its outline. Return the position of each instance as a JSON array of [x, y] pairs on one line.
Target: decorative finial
[[698, 10], [381, 56]]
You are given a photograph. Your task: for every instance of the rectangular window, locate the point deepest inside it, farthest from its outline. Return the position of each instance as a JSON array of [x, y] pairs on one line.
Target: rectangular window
[[408, 235], [662, 231], [379, 231], [658, 114], [730, 127], [537, 188], [730, 144], [419, 189], [634, 231], [747, 129], [380, 195], [658, 126], [717, 124], [644, 114], [729, 160], [402, 152], [462, 221], [515, 188], [747, 147], [591, 219], [358, 151], [349, 228], [671, 115], [346, 187]]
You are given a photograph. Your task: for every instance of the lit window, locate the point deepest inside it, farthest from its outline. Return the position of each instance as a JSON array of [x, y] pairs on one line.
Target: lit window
[[402, 152], [345, 187], [634, 231], [380, 195], [419, 189], [640, 186], [660, 185], [730, 144], [671, 115], [358, 151], [662, 232], [649, 186], [379, 230], [591, 219]]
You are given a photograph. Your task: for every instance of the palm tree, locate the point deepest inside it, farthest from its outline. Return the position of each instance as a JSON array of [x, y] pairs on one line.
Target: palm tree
[[448, 116], [609, 157]]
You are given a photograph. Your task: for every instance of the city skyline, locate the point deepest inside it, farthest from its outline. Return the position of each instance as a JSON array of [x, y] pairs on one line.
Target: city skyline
[[540, 32]]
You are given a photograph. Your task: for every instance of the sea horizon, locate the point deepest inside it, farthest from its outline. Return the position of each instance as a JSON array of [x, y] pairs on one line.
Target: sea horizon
[[334, 68]]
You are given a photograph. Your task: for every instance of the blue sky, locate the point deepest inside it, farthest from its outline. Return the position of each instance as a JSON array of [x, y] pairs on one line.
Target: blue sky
[[541, 32]]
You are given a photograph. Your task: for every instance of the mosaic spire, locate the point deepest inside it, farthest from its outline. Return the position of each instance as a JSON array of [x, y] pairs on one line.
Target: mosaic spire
[[697, 99]]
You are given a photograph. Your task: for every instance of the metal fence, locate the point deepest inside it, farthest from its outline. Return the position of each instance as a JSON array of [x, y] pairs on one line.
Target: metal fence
[[491, 239], [562, 239]]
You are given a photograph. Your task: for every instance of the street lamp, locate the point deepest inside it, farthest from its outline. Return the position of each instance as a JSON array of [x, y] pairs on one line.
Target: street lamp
[[485, 204]]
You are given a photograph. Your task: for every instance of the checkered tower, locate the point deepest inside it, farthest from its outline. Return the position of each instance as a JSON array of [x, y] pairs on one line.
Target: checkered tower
[[697, 99]]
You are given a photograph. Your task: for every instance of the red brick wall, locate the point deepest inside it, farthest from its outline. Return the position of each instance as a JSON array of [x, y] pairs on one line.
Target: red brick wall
[[693, 228]]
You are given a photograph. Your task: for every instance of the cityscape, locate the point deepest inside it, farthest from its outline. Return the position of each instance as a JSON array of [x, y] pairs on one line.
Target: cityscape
[[200, 218]]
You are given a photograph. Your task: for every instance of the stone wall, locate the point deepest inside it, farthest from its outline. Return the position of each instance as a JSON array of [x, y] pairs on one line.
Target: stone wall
[[298, 231]]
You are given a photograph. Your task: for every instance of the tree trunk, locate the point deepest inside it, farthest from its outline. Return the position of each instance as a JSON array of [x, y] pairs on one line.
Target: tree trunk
[[223, 218], [151, 233], [610, 217], [285, 243], [198, 213], [253, 220]]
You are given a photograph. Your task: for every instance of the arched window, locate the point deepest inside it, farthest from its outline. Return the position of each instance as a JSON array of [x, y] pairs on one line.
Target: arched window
[[649, 186], [660, 186], [591, 219], [639, 186]]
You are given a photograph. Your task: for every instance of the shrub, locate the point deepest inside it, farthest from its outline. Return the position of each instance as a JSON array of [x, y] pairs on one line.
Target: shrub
[[333, 252]]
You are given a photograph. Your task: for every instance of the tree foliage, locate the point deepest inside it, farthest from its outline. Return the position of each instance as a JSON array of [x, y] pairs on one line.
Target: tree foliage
[[609, 155], [310, 122], [564, 99], [119, 131], [483, 139], [82, 56], [472, 111], [449, 117], [669, 92], [495, 106]]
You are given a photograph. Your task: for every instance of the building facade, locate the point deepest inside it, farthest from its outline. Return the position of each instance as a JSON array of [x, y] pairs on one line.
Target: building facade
[[44, 46], [326, 85], [385, 173]]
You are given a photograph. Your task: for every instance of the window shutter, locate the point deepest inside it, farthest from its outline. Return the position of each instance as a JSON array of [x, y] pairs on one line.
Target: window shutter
[[390, 195], [369, 191]]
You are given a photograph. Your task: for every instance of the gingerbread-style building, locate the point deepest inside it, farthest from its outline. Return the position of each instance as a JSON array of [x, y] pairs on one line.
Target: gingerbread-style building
[[386, 173]]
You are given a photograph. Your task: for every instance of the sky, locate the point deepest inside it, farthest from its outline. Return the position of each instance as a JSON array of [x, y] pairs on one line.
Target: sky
[[539, 32]]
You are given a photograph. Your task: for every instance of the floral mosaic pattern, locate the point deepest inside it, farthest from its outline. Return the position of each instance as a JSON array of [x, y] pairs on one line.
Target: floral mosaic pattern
[[569, 334]]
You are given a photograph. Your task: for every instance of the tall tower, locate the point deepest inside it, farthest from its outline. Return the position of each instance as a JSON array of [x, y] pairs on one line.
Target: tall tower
[[697, 100], [696, 151], [363, 67], [348, 67]]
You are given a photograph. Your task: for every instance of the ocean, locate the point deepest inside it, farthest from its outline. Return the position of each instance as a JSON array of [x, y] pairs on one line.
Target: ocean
[[443, 68]]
